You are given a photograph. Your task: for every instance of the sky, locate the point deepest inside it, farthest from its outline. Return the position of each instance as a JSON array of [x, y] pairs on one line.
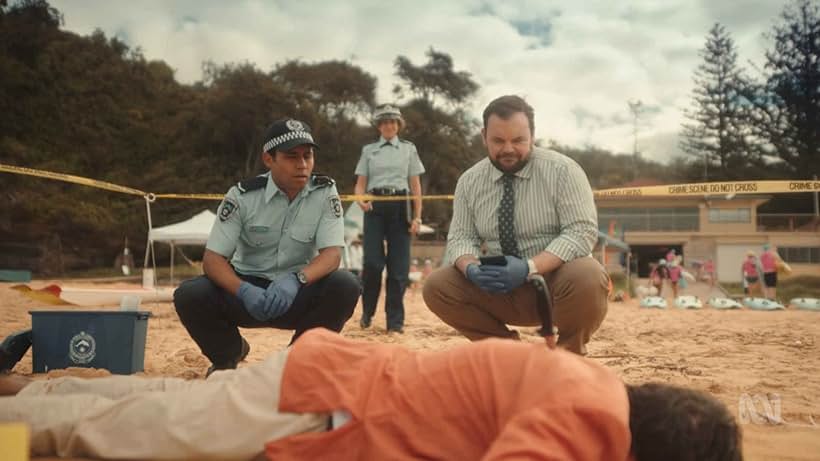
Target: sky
[[578, 63]]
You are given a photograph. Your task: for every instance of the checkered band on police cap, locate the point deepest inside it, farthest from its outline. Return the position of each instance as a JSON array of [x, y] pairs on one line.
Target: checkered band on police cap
[[387, 112], [286, 134]]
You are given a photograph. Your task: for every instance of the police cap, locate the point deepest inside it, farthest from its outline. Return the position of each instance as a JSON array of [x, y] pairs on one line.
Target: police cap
[[387, 112], [285, 134]]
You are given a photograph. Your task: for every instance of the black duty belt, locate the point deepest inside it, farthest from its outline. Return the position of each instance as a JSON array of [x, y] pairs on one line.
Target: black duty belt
[[386, 191]]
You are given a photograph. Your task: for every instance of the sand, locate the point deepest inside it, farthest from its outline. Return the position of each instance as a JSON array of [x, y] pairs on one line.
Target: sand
[[734, 355]]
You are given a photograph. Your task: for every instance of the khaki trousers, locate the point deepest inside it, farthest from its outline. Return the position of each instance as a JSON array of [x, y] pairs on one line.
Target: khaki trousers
[[578, 288], [229, 416]]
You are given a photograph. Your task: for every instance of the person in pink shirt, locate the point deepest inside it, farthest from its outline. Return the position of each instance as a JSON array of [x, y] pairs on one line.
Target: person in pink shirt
[[709, 271], [768, 262], [329, 397], [659, 273], [675, 272], [751, 271]]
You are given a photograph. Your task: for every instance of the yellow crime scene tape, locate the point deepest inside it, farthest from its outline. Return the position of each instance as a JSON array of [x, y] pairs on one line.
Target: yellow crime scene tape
[[71, 178], [191, 196], [391, 198], [713, 188], [670, 190]]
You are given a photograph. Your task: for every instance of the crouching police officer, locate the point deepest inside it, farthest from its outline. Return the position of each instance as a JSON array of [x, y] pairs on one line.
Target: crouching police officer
[[283, 233]]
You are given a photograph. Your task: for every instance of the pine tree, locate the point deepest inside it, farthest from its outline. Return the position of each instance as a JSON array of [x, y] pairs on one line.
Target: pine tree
[[788, 114], [718, 133]]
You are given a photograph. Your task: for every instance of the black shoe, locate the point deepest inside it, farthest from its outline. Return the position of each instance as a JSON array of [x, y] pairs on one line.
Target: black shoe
[[246, 348], [364, 323], [13, 348]]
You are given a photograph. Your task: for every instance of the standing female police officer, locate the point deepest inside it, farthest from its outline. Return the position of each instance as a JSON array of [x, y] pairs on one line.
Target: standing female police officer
[[388, 167], [282, 232]]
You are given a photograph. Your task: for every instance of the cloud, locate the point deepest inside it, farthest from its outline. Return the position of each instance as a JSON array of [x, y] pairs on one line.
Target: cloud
[[661, 146], [540, 29], [577, 63]]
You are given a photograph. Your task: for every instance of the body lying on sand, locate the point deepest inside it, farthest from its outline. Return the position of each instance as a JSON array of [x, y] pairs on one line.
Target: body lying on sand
[[331, 397]]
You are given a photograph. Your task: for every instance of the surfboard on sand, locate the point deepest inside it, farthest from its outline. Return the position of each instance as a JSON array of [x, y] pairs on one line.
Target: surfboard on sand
[[762, 304], [93, 296], [808, 304], [688, 302], [724, 303], [653, 302]]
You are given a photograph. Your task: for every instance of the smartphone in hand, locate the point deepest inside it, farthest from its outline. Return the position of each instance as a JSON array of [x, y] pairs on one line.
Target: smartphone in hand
[[493, 260]]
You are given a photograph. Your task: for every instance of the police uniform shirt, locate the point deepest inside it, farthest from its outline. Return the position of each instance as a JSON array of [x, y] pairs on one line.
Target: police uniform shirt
[[389, 163], [264, 234]]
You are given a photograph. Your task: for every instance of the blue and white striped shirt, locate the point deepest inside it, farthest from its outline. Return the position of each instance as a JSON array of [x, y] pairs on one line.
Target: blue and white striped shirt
[[554, 209]]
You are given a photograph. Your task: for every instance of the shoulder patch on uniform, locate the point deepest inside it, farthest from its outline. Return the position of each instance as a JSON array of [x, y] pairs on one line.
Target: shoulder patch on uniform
[[247, 185], [335, 206], [322, 180], [227, 209]]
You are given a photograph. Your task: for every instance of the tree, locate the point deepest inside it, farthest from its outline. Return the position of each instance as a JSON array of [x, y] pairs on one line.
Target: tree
[[607, 170], [335, 87], [337, 94], [93, 107], [241, 101], [719, 132], [435, 79], [788, 114], [441, 134], [443, 140]]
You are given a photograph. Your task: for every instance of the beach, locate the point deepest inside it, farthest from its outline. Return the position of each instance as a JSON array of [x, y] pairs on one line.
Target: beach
[[745, 358]]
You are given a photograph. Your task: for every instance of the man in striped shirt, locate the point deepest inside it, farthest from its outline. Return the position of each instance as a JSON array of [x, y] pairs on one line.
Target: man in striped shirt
[[534, 207]]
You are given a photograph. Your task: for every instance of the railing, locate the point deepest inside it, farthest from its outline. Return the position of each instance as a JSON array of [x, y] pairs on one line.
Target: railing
[[797, 222], [650, 222]]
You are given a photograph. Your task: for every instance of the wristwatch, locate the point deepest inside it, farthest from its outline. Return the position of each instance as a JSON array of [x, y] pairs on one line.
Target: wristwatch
[[418, 220], [302, 278], [531, 269]]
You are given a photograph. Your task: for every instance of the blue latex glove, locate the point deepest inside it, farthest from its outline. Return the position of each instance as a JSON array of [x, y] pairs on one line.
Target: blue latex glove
[[254, 299], [503, 279], [281, 293], [484, 277], [472, 273]]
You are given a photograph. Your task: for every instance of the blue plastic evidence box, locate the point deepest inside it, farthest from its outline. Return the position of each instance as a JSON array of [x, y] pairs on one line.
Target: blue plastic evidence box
[[114, 340]]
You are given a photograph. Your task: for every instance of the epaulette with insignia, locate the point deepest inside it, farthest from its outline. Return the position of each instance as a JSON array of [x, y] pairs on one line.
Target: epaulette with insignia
[[247, 185], [322, 180], [406, 141]]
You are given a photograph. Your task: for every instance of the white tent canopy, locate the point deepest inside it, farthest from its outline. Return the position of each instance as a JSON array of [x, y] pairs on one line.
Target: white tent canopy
[[193, 231]]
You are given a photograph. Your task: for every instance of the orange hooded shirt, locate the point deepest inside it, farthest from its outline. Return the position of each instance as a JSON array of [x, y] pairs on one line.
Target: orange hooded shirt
[[491, 400]]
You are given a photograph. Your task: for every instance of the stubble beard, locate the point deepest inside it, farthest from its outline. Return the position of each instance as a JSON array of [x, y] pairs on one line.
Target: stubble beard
[[515, 167]]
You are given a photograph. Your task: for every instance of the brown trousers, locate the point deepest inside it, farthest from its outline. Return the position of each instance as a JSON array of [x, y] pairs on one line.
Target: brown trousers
[[578, 288]]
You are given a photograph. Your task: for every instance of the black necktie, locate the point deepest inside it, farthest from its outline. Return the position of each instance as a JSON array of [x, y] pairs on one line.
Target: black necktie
[[506, 224]]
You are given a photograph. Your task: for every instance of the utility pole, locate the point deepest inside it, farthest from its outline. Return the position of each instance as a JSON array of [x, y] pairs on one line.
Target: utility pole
[[635, 106]]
